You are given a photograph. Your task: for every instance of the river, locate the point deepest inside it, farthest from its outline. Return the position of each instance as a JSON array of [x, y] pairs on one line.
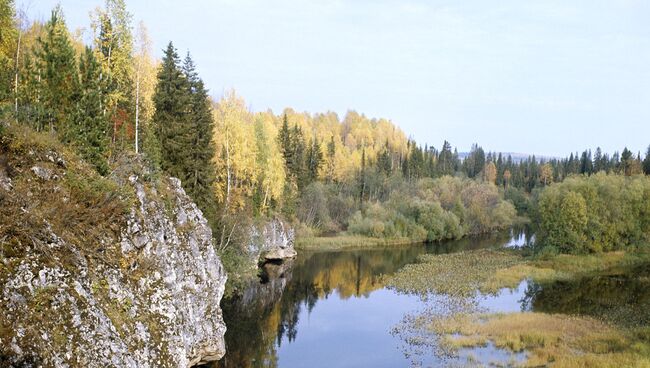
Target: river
[[331, 309]]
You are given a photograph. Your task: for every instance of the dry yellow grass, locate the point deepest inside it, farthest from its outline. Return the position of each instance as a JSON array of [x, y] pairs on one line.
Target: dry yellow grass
[[561, 267], [549, 339]]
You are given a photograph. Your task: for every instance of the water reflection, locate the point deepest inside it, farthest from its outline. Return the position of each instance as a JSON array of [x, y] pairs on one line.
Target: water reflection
[[619, 295], [331, 309], [326, 302], [521, 236]]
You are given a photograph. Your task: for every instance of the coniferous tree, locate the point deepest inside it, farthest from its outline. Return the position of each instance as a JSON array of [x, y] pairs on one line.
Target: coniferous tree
[[446, 161], [331, 152], [31, 109], [362, 180], [88, 128], [170, 121], [199, 173], [56, 60], [298, 157], [314, 160], [627, 159], [646, 162], [284, 140]]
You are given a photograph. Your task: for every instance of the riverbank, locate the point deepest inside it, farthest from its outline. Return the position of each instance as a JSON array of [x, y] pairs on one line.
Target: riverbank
[[578, 310], [347, 242]]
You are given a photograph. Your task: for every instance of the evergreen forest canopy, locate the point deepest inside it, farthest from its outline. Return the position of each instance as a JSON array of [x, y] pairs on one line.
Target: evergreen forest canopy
[[112, 100]]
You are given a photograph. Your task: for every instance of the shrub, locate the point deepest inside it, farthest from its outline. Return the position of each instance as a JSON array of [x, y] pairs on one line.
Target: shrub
[[436, 209], [594, 214]]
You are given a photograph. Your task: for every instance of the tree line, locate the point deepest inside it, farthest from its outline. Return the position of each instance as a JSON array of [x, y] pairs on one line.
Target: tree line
[[112, 99]]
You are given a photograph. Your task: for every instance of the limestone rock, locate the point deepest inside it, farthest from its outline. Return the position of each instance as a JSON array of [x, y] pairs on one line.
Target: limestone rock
[[271, 241], [150, 300]]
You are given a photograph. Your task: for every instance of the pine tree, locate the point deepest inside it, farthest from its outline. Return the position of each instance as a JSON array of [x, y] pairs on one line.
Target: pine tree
[[88, 130], [31, 109]]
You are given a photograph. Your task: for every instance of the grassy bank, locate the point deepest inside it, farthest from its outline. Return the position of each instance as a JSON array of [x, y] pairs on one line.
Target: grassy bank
[[347, 241]]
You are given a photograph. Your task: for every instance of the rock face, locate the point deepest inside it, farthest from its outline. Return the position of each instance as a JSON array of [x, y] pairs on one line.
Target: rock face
[[271, 241], [151, 300]]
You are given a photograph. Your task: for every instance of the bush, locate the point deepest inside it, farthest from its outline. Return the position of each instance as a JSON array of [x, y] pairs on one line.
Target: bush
[[594, 214], [434, 210]]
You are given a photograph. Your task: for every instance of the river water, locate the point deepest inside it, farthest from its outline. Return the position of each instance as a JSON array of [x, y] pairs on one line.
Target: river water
[[331, 309]]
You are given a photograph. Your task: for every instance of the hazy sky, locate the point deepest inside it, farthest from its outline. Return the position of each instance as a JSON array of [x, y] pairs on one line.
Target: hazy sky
[[543, 77]]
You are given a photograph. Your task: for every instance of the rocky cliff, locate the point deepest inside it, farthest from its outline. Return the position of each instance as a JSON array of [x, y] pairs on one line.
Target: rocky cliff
[[99, 272], [271, 241]]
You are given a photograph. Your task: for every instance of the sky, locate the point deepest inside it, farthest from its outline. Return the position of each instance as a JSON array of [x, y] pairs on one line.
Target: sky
[[542, 77]]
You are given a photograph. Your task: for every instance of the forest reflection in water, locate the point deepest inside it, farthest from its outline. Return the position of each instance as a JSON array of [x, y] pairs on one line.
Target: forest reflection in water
[[331, 308], [267, 315]]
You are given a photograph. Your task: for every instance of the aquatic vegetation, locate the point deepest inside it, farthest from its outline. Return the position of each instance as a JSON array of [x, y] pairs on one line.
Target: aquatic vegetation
[[564, 341], [490, 270], [457, 274], [598, 324]]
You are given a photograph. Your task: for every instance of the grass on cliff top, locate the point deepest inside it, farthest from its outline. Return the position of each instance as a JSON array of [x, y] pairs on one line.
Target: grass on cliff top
[[548, 339], [83, 208]]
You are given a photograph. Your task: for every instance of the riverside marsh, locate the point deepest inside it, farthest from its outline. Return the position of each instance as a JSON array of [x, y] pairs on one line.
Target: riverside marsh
[[599, 325]]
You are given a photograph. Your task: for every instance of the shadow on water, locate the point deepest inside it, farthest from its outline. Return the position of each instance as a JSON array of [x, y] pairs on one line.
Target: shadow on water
[[619, 295]]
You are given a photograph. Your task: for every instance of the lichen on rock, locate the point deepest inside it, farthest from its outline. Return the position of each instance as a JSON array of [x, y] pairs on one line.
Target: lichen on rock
[[271, 241], [139, 288]]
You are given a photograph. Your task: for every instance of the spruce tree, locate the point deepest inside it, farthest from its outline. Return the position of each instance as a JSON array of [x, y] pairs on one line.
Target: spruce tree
[[284, 140], [297, 168], [314, 160], [88, 128], [446, 160], [56, 60], [199, 171], [170, 122], [331, 153]]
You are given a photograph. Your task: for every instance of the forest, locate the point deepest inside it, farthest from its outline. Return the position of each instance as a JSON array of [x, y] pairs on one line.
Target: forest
[[147, 221], [328, 175]]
